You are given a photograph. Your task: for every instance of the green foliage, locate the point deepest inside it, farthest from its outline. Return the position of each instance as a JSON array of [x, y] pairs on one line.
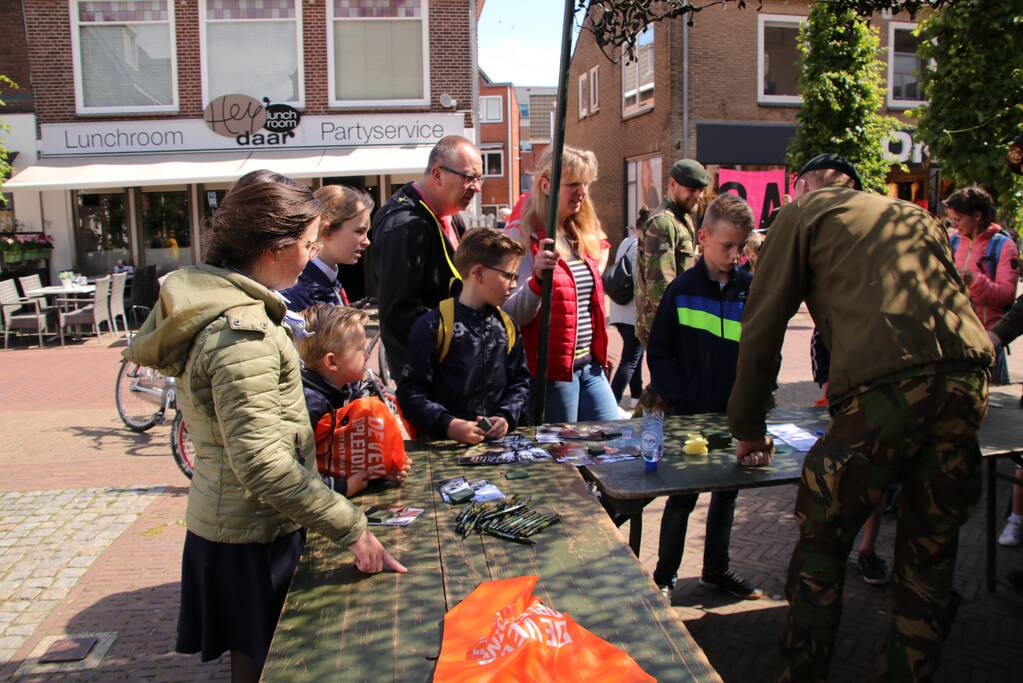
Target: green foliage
[[975, 96], [5, 167], [843, 93]]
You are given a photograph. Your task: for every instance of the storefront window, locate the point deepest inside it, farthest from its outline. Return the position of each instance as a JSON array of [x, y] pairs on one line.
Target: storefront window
[[380, 52], [778, 62], [253, 47], [904, 66], [166, 230], [101, 232], [124, 56], [643, 186]]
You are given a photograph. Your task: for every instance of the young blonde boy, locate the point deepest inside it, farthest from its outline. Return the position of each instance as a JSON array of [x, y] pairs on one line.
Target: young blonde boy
[[333, 352], [468, 380]]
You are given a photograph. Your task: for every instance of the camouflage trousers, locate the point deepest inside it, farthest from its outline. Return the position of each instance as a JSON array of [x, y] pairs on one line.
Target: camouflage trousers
[[920, 432]]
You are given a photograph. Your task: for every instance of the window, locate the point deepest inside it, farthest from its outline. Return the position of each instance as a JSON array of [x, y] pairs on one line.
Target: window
[[594, 89], [778, 61], [166, 230], [904, 66], [252, 47], [638, 76], [124, 56], [101, 231], [642, 186], [491, 108], [524, 110], [584, 98], [493, 163], [380, 52]]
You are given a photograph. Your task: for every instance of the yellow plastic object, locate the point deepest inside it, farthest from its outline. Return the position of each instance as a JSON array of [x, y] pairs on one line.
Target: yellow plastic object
[[695, 446]]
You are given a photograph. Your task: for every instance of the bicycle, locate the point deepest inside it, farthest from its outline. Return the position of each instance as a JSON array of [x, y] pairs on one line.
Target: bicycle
[[368, 304]]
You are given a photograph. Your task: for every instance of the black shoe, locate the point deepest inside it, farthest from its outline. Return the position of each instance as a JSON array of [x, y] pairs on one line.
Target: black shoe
[[873, 569], [730, 582]]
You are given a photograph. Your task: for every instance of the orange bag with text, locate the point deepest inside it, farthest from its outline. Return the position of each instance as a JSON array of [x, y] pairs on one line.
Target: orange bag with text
[[361, 436], [502, 632]]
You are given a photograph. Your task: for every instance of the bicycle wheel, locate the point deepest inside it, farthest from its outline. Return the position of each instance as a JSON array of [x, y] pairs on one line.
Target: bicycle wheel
[[139, 396], [181, 446]]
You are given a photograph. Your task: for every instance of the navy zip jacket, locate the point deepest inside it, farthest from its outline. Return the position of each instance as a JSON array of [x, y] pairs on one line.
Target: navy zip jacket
[[413, 265], [478, 376], [313, 287], [322, 397], [693, 346]]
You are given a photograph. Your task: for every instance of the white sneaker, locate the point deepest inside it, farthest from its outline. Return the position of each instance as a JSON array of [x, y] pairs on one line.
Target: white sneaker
[[1012, 534], [624, 414]]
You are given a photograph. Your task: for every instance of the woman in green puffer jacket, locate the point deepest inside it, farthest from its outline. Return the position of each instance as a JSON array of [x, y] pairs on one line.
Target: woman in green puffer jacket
[[218, 329]]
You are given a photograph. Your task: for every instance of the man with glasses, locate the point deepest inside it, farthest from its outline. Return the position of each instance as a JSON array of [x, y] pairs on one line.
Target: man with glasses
[[415, 235]]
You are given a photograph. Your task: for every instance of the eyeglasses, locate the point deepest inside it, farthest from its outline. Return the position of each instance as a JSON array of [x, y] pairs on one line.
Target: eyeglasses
[[312, 247], [469, 179], [510, 277]]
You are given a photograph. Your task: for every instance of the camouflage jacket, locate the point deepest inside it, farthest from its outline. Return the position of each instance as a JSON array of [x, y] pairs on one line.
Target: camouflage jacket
[[666, 248]]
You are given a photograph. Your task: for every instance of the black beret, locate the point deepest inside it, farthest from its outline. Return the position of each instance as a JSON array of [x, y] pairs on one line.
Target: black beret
[[832, 162], [690, 173]]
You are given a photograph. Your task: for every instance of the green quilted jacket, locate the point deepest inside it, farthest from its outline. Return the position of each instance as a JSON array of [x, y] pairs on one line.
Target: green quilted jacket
[[221, 335]]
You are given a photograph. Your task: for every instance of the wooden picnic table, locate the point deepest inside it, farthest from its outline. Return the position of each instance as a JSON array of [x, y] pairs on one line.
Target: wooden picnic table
[[627, 488], [1001, 436], [341, 625]]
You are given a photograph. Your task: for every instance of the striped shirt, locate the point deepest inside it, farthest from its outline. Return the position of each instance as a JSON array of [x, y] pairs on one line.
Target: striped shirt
[[583, 294]]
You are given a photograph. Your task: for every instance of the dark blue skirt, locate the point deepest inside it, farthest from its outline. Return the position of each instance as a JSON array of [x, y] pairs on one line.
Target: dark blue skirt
[[232, 594]]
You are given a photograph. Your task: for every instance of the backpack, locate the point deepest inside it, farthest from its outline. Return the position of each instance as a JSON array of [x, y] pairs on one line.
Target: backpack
[[446, 328], [618, 281], [362, 435], [993, 253]]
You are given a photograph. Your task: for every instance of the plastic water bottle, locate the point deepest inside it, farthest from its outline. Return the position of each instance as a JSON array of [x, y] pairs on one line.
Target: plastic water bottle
[[652, 438]]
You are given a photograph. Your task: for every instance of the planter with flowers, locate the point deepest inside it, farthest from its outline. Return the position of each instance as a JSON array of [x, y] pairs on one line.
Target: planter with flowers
[[36, 247], [12, 250]]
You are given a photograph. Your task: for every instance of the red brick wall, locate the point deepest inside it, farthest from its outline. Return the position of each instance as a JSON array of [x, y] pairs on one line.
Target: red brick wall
[[14, 59], [49, 51], [496, 190]]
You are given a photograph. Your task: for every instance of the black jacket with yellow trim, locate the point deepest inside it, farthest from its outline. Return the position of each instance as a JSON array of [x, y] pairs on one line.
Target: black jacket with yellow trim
[[413, 264]]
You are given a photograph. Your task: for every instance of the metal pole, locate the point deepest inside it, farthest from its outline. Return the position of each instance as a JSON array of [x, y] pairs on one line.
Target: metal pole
[[558, 142]]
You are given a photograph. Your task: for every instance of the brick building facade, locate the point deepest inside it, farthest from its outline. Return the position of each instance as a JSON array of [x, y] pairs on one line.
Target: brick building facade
[[333, 91], [499, 117], [723, 92]]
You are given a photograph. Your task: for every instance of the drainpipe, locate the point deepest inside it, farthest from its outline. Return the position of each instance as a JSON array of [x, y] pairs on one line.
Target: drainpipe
[[685, 88]]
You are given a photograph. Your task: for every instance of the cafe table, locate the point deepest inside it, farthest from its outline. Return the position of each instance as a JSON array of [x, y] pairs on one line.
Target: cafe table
[[341, 625]]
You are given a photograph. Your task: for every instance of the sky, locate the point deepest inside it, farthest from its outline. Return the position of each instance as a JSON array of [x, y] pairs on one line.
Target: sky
[[520, 41]]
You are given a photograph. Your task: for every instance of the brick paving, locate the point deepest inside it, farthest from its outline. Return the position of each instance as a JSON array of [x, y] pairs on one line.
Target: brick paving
[[62, 441]]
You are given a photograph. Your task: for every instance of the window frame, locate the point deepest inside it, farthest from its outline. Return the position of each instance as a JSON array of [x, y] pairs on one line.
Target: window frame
[[594, 89], [76, 67], [299, 46], [893, 103], [762, 21], [333, 103], [637, 109], [582, 95], [483, 154], [500, 108]]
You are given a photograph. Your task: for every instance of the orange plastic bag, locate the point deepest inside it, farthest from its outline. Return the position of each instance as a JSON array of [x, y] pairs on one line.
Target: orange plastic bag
[[361, 436], [502, 632]]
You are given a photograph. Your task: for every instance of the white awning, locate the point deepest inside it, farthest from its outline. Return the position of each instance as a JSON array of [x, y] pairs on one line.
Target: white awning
[[85, 173]]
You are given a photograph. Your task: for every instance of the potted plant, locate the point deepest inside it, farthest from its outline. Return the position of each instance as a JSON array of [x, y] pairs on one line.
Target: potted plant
[[37, 247], [11, 249]]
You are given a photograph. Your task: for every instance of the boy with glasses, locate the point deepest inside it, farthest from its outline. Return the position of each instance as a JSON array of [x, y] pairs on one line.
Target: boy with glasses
[[466, 376]]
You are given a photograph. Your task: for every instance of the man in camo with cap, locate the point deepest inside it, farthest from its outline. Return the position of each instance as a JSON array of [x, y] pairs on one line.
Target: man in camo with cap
[[667, 245], [907, 390]]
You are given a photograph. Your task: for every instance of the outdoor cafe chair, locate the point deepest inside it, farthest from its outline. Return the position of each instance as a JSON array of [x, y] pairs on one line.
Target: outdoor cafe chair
[[117, 300], [95, 313], [36, 318]]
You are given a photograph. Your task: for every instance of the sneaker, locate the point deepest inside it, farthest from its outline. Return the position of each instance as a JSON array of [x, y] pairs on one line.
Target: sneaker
[[1012, 534], [624, 414], [874, 569], [730, 582], [666, 591]]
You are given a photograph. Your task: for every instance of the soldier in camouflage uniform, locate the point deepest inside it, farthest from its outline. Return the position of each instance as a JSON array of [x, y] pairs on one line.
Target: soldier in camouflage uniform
[[907, 391], [667, 244]]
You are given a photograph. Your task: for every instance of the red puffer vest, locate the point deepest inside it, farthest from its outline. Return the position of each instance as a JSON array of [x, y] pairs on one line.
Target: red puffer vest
[[561, 352]]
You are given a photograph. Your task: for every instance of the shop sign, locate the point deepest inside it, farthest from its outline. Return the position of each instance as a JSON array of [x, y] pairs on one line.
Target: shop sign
[[762, 190], [899, 148], [246, 125]]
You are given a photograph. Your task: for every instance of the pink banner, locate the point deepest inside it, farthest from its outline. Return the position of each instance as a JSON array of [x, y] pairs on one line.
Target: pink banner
[[763, 190]]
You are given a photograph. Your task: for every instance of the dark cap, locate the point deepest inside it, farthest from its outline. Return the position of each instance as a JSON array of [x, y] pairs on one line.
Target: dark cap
[[1015, 155], [832, 162], [690, 173]]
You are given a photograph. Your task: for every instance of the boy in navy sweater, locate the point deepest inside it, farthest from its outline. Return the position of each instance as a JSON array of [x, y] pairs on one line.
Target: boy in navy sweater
[[692, 352], [465, 358]]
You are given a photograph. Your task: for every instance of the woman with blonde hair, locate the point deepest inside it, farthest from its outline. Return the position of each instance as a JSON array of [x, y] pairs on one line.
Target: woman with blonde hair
[[344, 236], [577, 387]]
